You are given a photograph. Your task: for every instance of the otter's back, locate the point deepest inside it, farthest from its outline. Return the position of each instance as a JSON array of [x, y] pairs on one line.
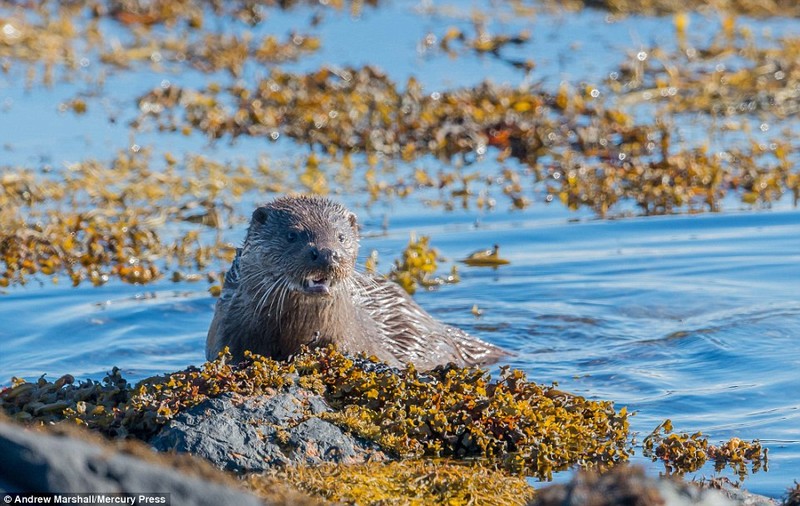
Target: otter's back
[[410, 334]]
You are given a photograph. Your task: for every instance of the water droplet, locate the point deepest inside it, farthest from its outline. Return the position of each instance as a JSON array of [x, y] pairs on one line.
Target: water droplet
[[641, 55]]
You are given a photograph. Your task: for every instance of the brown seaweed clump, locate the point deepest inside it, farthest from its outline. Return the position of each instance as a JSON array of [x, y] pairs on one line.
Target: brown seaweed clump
[[455, 412], [682, 453]]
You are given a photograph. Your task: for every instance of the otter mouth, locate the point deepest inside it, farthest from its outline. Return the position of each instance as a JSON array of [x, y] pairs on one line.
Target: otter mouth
[[317, 284]]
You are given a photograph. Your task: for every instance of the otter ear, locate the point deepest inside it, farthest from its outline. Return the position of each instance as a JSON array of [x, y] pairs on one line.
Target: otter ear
[[260, 215], [353, 219]]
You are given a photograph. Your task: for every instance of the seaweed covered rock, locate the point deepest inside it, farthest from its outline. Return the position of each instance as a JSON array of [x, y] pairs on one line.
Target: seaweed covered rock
[[516, 424], [253, 434], [519, 425], [480, 435]]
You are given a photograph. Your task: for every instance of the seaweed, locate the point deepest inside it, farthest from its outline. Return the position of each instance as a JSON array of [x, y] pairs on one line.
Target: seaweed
[[408, 482], [512, 423]]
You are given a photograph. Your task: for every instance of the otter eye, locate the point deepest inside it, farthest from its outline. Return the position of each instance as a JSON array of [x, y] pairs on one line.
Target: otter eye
[[292, 236], [341, 237]]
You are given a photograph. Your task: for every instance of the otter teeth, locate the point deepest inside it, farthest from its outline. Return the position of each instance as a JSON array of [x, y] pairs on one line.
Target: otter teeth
[[317, 284]]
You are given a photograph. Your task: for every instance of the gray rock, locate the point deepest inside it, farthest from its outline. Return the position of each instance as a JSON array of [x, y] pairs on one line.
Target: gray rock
[[742, 497], [35, 461], [254, 434]]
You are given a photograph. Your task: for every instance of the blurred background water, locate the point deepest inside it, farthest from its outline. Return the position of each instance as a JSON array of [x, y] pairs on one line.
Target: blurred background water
[[690, 317]]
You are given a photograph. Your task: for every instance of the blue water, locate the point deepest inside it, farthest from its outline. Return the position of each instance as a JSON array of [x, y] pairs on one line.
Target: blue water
[[690, 317]]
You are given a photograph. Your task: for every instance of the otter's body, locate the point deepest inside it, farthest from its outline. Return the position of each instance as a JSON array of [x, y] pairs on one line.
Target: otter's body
[[294, 282]]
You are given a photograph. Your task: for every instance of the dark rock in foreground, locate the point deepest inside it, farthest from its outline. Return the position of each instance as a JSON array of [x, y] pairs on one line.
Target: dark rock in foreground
[[36, 461], [629, 485], [254, 434]]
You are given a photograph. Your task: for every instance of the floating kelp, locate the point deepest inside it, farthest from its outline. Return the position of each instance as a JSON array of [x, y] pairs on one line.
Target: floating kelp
[[585, 154], [682, 453], [66, 38], [50, 42], [417, 266], [732, 75], [191, 11], [97, 221], [361, 109], [214, 52], [89, 246], [511, 422]]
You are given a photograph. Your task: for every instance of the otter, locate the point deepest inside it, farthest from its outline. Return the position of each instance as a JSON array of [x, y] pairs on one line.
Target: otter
[[294, 282]]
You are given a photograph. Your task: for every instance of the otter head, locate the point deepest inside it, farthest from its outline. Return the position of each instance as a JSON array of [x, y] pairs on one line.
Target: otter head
[[310, 243]]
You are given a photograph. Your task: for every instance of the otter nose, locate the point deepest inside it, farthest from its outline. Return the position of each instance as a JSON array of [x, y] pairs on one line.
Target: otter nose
[[324, 257]]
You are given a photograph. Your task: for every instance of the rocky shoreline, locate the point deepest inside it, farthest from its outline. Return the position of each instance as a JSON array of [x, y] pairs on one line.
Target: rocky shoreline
[[42, 461], [322, 429]]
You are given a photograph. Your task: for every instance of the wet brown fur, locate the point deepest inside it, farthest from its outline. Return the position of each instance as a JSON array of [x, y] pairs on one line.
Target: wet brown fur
[[265, 308]]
